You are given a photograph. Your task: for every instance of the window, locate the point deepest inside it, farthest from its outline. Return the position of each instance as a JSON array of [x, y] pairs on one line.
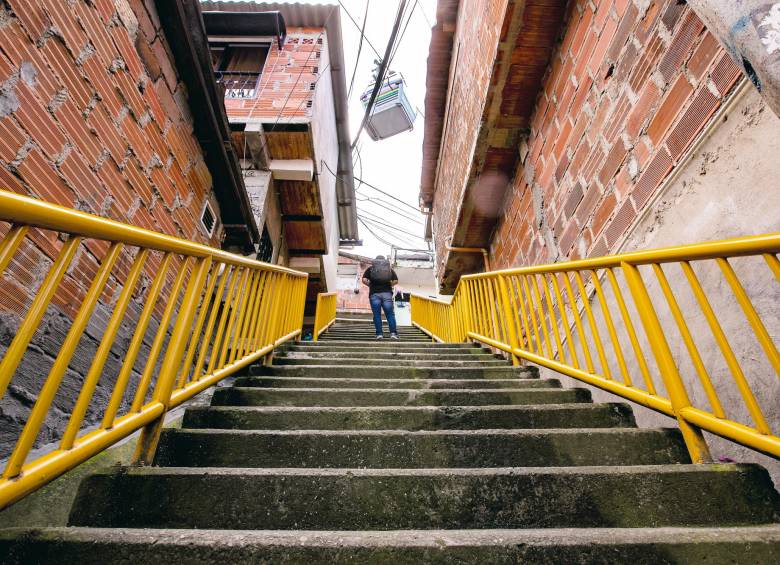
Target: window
[[208, 219], [238, 67], [265, 252]]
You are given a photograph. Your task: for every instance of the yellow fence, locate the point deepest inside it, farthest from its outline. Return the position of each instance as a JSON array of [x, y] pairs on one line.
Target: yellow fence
[[188, 316], [326, 313], [596, 320]]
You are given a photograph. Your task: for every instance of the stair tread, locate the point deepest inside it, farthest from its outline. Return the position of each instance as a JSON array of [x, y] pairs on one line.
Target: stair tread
[[401, 538]]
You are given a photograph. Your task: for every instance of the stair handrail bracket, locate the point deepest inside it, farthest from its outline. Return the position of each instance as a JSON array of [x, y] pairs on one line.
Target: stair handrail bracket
[[325, 315], [190, 314], [596, 319]]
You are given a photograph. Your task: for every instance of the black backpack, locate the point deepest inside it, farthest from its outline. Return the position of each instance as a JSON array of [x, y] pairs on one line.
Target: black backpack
[[381, 272]]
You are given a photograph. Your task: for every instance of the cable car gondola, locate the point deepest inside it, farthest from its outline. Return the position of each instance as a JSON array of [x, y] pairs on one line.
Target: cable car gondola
[[392, 113]]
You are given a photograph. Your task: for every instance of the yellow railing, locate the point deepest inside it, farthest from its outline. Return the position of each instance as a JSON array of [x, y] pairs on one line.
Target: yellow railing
[[326, 313], [186, 315], [595, 319]]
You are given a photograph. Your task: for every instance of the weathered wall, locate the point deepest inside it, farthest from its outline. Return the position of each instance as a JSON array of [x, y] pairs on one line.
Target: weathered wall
[[720, 193], [474, 49], [630, 86], [326, 154], [92, 116], [285, 89]]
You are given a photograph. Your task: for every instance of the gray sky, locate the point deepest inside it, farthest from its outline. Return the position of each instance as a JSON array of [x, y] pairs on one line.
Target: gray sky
[[393, 164]]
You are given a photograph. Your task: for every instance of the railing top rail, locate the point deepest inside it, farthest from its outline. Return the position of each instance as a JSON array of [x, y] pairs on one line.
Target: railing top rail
[[430, 299], [20, 209], [751, 245]]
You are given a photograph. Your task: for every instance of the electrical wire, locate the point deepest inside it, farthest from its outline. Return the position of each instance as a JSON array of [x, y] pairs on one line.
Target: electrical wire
[[362, 182], [365, 225], [403, 32], [386, 194], [376, 202], [360, 48], [343, 7], [391, 227]]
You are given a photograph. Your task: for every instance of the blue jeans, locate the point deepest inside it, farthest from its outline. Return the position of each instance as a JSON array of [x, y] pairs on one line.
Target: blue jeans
[[383, 301]]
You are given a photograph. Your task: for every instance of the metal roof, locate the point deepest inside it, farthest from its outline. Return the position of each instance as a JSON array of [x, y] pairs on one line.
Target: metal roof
[[327, 16]]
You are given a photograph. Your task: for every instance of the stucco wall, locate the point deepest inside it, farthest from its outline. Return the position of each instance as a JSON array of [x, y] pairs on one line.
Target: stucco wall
[[723, 191], [326, 153]]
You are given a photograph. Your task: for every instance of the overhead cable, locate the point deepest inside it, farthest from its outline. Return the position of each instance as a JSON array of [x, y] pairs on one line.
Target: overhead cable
[[381, 72], [360, 48]]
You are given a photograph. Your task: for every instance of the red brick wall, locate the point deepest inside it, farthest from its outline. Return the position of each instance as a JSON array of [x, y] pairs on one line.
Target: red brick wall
[[284, 90], [474, 50], [92, 116], [627, 92]]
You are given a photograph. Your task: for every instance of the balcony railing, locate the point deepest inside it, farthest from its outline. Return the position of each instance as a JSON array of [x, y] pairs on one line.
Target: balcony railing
[[238, 84]]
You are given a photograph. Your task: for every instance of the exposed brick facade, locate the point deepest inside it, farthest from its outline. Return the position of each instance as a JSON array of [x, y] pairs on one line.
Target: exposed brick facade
[[285, 89], [630, 86], [474, 49], [93, 116]]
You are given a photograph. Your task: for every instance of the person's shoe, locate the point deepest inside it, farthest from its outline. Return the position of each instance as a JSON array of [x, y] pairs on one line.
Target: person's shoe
[[394, 336], [380, 337]]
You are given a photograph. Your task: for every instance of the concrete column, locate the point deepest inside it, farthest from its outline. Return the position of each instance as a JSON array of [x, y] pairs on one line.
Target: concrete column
[[750, 32]]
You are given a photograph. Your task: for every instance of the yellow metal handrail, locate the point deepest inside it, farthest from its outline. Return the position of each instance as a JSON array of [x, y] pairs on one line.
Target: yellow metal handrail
[[208, 314], [573, 316], [326, 313]]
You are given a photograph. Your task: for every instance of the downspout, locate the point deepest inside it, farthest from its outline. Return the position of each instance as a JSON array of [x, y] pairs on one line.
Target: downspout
[[750, 31]]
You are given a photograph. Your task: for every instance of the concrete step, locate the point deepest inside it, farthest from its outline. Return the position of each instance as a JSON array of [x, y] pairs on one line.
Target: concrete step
[[383, 343], [382, 499], [303, 382], [247, 396], [425, 449], [393, 356], [638, 546], [329, 339], [543, 416], [390, 371], [380, 347], [371, 362]]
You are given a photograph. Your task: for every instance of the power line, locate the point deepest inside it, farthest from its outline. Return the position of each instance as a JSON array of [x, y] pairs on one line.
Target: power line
[[360, 47], [358, 27], [365, 225], [401, 38], [381, 72], [378, 202], [381, 220], [392, 227], [386, 194]]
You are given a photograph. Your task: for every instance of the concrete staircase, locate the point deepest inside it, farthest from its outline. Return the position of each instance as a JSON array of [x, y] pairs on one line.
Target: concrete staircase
[[349, 450]]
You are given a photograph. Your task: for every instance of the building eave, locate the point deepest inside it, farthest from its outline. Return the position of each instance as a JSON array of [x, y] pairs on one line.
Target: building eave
[[182, 23]]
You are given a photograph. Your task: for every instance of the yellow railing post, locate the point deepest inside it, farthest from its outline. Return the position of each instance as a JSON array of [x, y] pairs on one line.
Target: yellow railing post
[[511, 329], [150, 435], [317, 318], [694, 439]]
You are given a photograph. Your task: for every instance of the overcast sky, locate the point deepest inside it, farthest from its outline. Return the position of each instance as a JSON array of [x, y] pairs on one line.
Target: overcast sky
[[393, 164]]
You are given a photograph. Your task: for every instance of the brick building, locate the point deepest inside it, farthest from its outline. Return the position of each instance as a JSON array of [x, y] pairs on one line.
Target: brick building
[[112, 107], [282, 70], [565, 130]]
